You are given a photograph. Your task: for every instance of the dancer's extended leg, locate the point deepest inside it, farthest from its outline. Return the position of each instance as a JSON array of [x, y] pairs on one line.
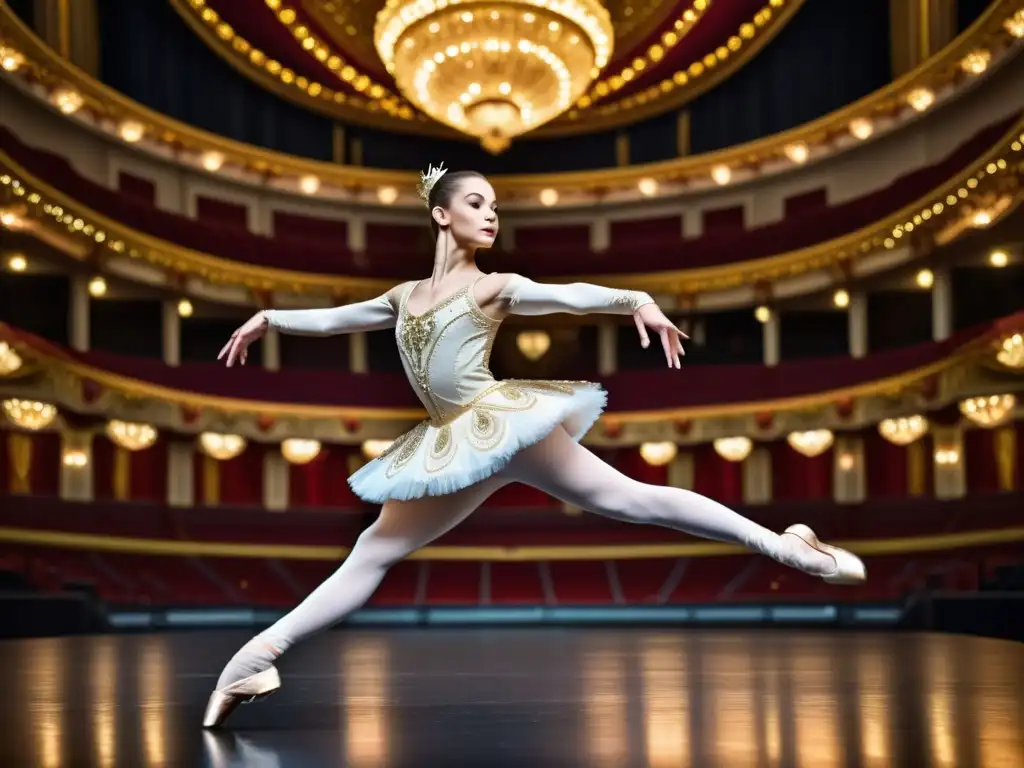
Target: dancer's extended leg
[[401, 528], [560, 466]]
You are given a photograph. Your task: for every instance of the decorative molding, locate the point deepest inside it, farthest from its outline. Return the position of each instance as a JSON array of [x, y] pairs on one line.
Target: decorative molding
[[941, 77]]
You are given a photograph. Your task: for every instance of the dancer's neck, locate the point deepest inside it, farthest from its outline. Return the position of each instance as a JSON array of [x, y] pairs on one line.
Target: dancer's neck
[[451, 260]]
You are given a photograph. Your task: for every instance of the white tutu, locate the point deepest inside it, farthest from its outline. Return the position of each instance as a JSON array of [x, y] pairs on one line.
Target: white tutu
[[433, 459]]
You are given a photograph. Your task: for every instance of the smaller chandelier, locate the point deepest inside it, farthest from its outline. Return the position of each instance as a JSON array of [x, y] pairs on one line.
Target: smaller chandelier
[[29, 414], [904, 430], [658, 454], [130, 435], [494, 69], [1011, 351], [533, 344], [298, 451], [733, 448], [947, 455], [812, 443], [10, 360], [75, 457], [221, 447], [374, 448], [988, 411]]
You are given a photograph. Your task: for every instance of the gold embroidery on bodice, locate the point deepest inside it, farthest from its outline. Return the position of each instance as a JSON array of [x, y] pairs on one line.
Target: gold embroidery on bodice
[[421, 337]]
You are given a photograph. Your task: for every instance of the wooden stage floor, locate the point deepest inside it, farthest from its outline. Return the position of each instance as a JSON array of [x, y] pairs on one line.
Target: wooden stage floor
[[526, 698]]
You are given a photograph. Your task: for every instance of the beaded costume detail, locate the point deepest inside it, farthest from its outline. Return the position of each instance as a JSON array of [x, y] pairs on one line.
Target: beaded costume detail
[[476, 423]]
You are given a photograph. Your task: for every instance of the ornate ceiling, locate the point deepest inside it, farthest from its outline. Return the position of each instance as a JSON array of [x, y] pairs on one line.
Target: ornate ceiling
[[323, 53]]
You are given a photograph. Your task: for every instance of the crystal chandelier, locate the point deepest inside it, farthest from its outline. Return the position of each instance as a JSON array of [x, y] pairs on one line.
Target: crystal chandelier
[[493, 69], [298, 451], [989, 411], [904, 430], [811, 443], [131, 436], [221, 447], [1011, 351], [733, 448], [658, 454]]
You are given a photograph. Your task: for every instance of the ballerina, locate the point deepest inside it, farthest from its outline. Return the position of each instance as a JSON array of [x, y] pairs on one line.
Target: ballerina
[[482, 433]]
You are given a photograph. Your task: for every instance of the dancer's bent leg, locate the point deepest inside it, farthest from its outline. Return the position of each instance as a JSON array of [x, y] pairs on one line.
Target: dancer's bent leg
[[401, 528], [563, 468]]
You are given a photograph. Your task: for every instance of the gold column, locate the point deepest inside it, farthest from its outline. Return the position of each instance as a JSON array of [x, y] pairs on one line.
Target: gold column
[[916, 468], [918, 29], [683, 133], [19, 456], [338, 144], [71, 27], [1004, 444], [622, 149], [357, 152], [211, 481]]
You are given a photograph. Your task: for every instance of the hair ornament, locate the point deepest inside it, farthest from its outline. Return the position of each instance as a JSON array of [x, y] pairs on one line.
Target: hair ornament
[[428, 180]]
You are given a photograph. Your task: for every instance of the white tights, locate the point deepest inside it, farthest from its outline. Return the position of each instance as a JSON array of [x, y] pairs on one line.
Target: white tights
[[557, 465]]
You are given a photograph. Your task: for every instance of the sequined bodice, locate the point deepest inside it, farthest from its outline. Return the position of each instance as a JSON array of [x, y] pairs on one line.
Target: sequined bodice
[[446, 352]]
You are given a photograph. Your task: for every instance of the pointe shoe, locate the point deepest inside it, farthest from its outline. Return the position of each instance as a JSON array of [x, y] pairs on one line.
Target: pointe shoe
[[223, 702], [849, 568]]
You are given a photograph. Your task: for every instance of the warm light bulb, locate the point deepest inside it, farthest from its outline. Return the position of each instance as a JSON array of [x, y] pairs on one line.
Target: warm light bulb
[[721, 174], [97, 287], [648, 187], [10, 59], [132, 131], [548, 197], [797, 152], [309, 184], [976, 62], [763, 314], [861, 128], [841, 298], [185, 308], [925, 278], [999, 258], [387, 195], [212, 161], [920, 99], [17, 263]]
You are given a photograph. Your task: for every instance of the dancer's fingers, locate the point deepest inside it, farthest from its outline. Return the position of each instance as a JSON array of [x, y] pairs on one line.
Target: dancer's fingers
[[227, 346], [665, 345], [642, 330]]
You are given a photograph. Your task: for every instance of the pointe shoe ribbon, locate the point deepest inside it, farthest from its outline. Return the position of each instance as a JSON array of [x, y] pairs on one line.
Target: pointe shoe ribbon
[[223, 702], [849, 569]]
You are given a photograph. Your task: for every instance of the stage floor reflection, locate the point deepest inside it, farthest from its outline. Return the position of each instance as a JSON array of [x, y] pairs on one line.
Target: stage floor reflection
[[524, 697]]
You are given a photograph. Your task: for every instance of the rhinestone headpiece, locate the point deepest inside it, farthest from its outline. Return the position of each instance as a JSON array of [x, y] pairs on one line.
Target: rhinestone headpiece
[[428, 180]]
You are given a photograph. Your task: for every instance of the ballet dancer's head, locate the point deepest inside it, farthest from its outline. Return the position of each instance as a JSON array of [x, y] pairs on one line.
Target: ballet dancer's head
[[462, 204]]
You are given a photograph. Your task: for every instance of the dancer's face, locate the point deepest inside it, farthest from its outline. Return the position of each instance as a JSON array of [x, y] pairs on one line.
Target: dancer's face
[[472, 214]]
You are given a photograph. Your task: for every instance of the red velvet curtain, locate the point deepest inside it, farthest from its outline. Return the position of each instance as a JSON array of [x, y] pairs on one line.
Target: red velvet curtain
[[980, 458], [46, 461], [886, 466], [149, 473], [241, 478], [717, 478], [323, 482], [145, 471], [798, 478]]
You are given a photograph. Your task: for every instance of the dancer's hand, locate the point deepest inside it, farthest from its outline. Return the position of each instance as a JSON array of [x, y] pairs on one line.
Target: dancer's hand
[[652, 317], [237, 347]]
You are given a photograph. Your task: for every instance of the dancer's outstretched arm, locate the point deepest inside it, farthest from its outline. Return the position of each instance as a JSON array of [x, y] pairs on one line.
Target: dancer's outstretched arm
[[522, 296], [372, 315]]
